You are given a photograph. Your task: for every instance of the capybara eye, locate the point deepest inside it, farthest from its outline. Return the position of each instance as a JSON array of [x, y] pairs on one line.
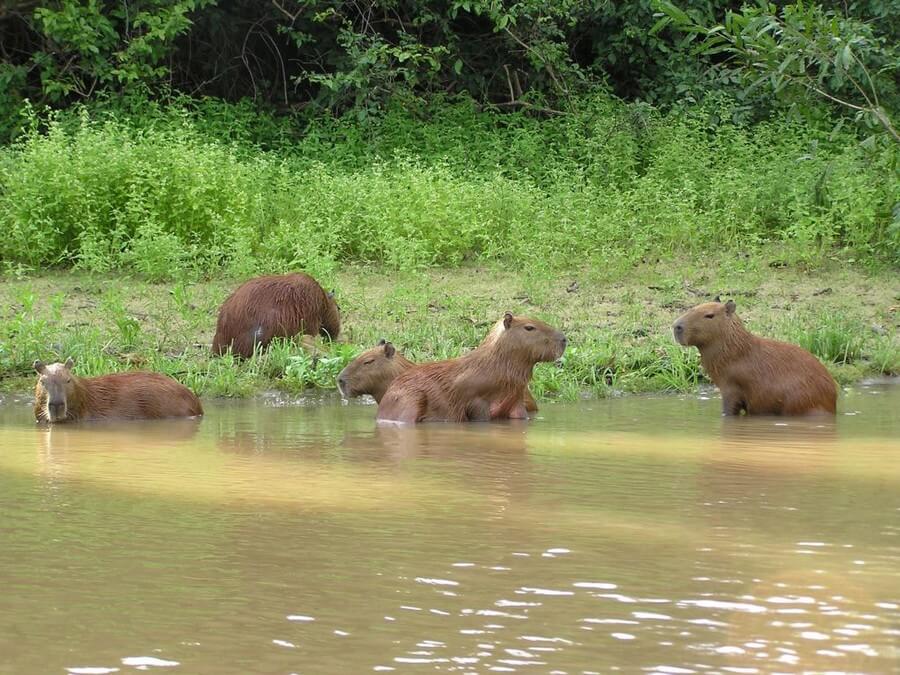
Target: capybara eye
[[68, 380], [529, 327], [709, 316], [368, 362]]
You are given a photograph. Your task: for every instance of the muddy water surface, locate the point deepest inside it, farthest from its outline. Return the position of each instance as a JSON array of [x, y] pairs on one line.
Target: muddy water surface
[[640, 534]]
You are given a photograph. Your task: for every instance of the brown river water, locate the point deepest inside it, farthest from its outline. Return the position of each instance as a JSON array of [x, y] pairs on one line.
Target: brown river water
[[641, 534]]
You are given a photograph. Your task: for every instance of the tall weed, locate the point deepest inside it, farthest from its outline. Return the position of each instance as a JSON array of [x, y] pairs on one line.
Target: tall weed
[[171, 193]]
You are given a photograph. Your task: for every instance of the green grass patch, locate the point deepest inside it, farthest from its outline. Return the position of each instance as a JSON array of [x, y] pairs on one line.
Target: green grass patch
[[618, 322]]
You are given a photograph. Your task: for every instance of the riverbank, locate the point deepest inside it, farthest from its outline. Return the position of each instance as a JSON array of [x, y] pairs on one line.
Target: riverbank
[[617, 320]]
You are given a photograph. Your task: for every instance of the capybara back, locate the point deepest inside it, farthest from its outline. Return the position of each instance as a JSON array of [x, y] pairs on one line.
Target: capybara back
[[274, 306]]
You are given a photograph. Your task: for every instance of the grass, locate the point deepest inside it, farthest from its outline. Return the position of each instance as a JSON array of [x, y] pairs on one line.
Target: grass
[[617, 319], [172, 195]]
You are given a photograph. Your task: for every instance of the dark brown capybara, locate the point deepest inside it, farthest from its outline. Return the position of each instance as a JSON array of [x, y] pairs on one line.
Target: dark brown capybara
[[756, 375], [373, 371], [274, 306], [61, 396], [487, 383]]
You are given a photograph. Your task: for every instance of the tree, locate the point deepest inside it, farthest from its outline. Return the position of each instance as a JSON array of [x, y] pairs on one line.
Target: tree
[[801, 48]]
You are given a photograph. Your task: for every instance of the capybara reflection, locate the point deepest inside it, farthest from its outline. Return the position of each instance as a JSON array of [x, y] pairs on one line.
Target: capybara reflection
[[373, 371], [755, 375], [274, 306], [61, 396], [487, 383]]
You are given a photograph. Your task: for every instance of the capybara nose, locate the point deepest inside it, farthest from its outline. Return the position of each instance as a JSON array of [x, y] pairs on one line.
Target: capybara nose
[[56, 409], [342, 383], [679, 329]]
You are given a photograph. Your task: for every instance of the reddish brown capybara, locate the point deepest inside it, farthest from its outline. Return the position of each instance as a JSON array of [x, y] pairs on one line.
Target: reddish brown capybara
[[487, 383], [373, 371], [274, 306], [755, 375], [61, 396]]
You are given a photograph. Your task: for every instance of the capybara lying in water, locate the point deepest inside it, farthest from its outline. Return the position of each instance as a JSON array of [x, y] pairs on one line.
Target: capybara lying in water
[[487, 383], [755, 374], [274, 306], [373, 371], [60, 396]]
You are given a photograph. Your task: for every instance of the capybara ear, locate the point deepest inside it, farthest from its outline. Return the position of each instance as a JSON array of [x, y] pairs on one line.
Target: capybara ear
[[69, 363], [39, 366], [389, 350], [507, 320], [382, 341], [729, 307], [718, 298]]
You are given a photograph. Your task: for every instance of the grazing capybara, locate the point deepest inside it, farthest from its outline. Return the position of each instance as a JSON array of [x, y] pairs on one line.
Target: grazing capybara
[[373, 371], [487, 383], [274, 306], [755, 375], [61, 396]]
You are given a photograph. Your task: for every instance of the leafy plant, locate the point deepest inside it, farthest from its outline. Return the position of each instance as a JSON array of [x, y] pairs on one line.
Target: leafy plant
[[801, 47]]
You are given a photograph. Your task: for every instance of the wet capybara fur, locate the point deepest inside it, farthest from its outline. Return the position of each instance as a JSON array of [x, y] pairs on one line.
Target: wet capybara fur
[[61, 396], [274, 306], [373, 371], [755, 375], [487, 383]]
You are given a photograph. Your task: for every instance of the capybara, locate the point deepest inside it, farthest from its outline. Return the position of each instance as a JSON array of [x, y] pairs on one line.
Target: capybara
[[755, 375], [373, 371], [61, 396], [274, 306], [487, 383]]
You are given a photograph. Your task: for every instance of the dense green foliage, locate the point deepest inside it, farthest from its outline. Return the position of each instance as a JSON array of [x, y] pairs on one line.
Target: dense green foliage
[[533, 54], [435, 187]]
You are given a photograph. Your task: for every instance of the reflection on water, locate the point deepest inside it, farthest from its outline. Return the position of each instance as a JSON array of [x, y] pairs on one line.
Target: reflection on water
[[641, 534]]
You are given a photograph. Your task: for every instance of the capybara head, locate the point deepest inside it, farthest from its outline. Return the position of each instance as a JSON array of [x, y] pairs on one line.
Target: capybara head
[[705, 324], [532, 339], [55, 384], [372, 371]]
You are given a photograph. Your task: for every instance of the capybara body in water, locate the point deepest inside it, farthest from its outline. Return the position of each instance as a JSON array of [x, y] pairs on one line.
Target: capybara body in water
[[487, 383], [373, 371], [274, 306], [755, 374], [61, 396]]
